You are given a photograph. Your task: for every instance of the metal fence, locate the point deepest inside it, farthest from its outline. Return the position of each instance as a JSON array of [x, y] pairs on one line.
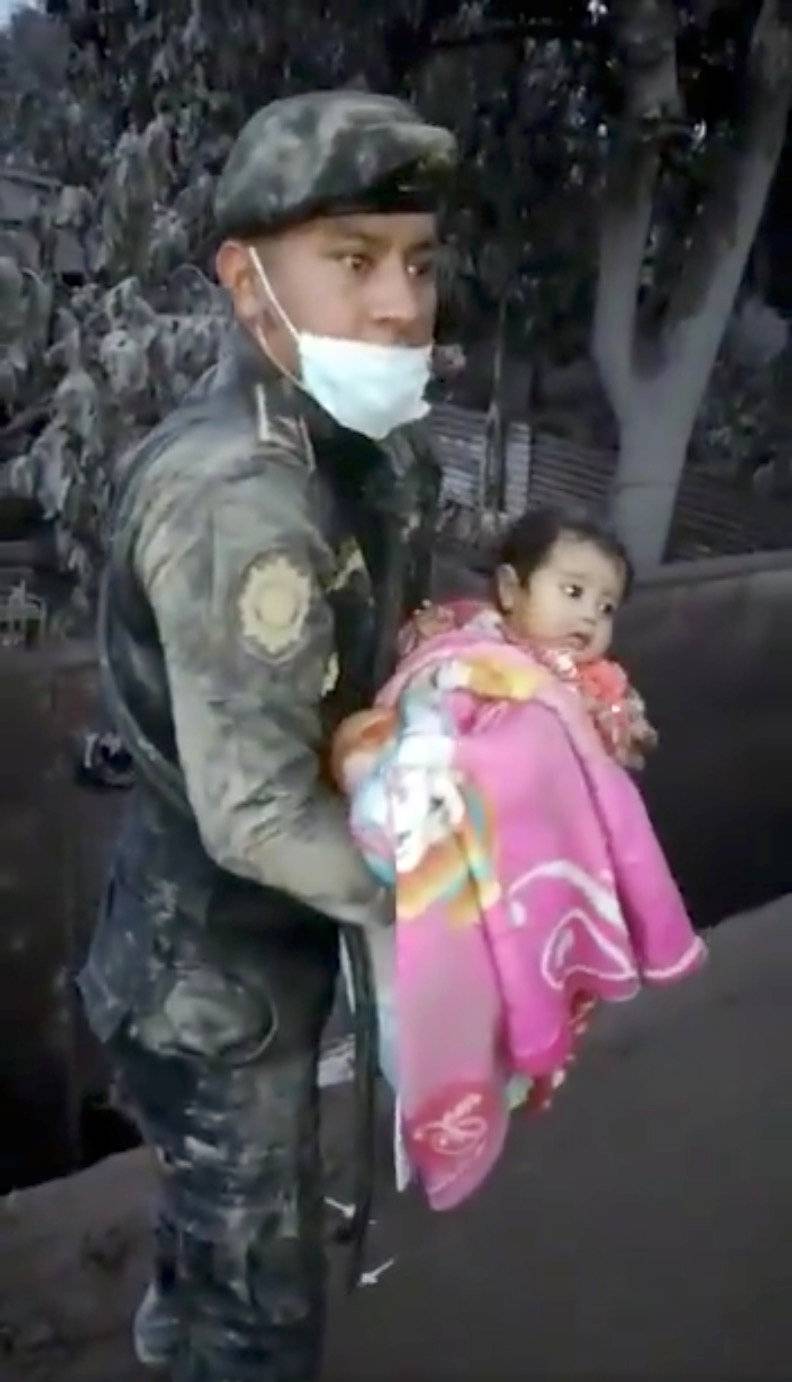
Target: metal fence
[[461, 439], [712, 517], [23, 613]]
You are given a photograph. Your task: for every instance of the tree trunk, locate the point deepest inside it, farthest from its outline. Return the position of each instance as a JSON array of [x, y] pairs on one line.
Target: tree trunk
[[645, 478], [656, 382], [652, 451]]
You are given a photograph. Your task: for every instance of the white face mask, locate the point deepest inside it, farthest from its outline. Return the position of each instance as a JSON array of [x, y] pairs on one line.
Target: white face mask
[[368, 388]]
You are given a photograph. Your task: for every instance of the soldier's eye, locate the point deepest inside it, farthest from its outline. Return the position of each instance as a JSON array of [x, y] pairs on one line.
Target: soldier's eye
[[424, 268], [356, 263]]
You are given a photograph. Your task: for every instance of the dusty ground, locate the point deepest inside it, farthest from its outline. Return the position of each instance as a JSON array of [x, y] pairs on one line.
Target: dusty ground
[[642, 1231]]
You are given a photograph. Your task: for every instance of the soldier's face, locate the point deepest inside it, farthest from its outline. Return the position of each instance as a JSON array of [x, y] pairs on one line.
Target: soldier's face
[[369, 278]]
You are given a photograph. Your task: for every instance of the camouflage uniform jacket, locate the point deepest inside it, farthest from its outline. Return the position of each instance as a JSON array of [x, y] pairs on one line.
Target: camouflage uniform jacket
[[261, 562]]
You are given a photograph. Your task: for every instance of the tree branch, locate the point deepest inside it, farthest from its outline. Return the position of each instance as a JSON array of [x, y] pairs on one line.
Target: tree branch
[[715, 263], [645, 36], [646, 32], [24, 422], [627, 215]]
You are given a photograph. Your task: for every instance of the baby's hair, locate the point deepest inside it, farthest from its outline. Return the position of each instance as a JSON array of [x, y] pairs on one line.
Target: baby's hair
[[530, 540]]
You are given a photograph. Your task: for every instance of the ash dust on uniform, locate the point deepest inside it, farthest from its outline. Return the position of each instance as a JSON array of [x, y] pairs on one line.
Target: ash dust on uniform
[[262, 559]]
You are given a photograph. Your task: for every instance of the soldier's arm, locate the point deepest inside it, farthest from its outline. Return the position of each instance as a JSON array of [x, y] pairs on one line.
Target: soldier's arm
[[236, 585]]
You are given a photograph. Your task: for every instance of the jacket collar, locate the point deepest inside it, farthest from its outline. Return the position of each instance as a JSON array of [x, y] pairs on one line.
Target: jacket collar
[[279, 406], [267, 385]]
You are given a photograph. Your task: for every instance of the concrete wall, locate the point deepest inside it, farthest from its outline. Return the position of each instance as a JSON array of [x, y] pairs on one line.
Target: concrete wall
[[710, 645], [54, 838]]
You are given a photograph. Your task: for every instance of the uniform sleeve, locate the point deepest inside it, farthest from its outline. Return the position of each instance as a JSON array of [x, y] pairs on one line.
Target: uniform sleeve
[[248, 640]]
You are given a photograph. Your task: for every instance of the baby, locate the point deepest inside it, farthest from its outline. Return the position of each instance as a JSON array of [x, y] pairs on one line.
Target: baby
[[559, 584], [436, 811]]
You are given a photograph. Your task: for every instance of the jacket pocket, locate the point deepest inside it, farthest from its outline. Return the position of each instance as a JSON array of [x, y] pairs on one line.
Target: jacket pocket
[[204, 1013]]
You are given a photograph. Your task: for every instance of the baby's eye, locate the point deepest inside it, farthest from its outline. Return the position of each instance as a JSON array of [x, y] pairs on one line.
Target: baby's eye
[[573, 591], [608, 608]]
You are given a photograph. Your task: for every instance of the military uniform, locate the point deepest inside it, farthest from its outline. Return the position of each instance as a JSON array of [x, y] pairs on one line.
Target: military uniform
[[262, 559]]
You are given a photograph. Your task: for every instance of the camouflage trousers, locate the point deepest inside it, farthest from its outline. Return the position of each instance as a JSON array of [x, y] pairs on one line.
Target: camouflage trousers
[[220, 1073]]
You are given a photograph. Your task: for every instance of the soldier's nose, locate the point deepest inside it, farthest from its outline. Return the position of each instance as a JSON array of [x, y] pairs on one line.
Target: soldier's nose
[[394, 305]]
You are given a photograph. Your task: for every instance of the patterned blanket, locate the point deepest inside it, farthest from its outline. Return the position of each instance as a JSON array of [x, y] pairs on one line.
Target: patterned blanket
[[528, 881]]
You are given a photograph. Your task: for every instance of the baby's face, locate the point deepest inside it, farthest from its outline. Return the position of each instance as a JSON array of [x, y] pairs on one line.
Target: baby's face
[[570, 602]]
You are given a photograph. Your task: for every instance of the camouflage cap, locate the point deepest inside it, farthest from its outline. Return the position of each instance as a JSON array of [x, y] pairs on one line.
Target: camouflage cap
[[331, 151]]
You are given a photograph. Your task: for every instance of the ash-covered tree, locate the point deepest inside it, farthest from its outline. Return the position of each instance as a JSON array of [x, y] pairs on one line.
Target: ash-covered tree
[[684, 197], [137, 128], [668, 136], [546, 100]]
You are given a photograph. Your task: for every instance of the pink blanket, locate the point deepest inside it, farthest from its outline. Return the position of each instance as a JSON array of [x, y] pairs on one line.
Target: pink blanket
[[527, 878]]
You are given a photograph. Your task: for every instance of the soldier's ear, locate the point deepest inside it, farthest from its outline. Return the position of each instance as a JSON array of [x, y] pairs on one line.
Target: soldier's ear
[[237, 274]]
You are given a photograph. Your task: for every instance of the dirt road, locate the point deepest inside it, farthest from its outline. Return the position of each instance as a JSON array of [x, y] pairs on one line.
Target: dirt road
[[642, 1231]]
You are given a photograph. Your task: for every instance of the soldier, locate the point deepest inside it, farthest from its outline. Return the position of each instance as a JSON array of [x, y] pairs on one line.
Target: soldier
[[269, 538]]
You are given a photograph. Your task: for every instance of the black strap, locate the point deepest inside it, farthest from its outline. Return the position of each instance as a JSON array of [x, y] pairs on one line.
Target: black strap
[[150, 764], [364, 1026]]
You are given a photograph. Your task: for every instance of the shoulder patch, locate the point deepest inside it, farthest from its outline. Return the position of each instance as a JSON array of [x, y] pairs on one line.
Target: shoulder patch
[[274, 603], [281, 426]]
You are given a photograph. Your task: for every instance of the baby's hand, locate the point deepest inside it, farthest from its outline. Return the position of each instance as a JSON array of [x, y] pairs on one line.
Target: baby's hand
[[358, 744], [646, 736], [427, 622], [643, 739], [431, 620]]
